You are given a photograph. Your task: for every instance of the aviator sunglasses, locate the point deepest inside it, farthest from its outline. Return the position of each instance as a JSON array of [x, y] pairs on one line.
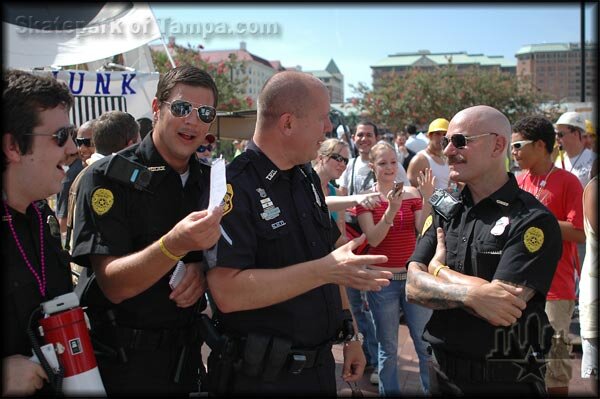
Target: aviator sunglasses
[[459, 140], [61, 135], [181, 109], [339, 158]]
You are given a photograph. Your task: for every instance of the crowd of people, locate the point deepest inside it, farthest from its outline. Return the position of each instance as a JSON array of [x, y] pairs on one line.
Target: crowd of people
[[310, 247]]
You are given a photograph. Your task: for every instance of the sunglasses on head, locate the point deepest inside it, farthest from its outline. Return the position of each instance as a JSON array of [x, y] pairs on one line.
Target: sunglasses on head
[[459, 140], [517, 145], [83, 141], [61, 135], [181, 109], [339, 158]]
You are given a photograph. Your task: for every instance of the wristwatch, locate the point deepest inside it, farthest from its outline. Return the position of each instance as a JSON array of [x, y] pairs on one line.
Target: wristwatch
[[356, 337]]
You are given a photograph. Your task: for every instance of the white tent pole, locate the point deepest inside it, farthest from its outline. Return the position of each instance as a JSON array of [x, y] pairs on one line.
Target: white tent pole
[[162, 39]]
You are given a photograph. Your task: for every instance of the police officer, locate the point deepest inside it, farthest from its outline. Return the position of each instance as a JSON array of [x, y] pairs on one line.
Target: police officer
[[488, 280], [36, 144], [275, 280], [133, 229]]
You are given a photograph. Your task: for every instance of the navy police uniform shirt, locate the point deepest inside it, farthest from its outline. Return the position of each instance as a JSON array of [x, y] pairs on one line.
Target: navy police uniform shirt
[[273, 219], [20, 290], [508, 236], [116, 219]]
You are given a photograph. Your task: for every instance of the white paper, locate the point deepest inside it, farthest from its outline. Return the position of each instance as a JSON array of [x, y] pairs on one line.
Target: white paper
[[218, 184], [177, 275]]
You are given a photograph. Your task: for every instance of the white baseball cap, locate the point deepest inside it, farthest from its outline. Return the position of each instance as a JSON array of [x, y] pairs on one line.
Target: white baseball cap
[[572, 119]]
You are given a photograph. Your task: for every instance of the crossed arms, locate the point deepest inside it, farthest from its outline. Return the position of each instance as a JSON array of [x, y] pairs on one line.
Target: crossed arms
[[498, 302]]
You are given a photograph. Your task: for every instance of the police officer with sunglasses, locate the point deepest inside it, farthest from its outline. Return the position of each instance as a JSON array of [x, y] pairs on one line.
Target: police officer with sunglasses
[[141, 226], [484, 263], [36, 146]]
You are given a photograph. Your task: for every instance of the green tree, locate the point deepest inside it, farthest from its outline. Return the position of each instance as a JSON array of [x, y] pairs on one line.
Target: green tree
[[423, 95]]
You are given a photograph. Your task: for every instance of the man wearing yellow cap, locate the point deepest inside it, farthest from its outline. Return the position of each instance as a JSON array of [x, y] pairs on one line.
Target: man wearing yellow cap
[[431, 157], [589, 137]]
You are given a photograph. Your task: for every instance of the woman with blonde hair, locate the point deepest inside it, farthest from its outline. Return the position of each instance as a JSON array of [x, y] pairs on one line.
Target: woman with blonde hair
[[391, 229], [330, 163]]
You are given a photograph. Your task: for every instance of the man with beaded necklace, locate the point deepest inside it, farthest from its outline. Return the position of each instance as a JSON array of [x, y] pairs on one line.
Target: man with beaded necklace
[[36, 145], [561, 192]]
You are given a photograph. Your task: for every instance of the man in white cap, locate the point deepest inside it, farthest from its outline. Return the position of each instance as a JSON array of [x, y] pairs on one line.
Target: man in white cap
[[573, 157]]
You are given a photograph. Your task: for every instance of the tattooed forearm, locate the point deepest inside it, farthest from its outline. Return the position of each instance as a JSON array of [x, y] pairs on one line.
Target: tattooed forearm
[[424, 289], [525, 295]]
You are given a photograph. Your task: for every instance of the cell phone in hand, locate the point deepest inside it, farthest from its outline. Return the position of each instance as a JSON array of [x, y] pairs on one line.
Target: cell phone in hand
[[398, 188]]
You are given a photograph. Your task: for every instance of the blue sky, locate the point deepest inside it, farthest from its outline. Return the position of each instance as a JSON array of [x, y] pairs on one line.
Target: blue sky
[[357, 37]]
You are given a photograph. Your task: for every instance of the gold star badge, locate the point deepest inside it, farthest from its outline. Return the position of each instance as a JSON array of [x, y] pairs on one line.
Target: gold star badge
[[533, 239], [102, 201]]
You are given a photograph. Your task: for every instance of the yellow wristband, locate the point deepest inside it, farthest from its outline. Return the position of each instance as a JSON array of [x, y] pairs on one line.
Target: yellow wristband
[[437, 270], [166, 252]]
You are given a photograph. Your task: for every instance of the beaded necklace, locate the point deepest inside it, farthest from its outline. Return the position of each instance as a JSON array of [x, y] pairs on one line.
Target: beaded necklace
[[40, 281], [540, 184]]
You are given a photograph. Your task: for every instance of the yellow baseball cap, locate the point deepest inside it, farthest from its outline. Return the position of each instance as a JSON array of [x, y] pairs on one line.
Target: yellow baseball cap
[[589, 128], [438, 125]]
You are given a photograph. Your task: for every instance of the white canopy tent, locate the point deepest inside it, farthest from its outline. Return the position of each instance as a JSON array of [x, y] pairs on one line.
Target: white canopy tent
[[38, 36]]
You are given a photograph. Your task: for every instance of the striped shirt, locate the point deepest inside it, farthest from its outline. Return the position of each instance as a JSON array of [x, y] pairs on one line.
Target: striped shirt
[[399, 244]]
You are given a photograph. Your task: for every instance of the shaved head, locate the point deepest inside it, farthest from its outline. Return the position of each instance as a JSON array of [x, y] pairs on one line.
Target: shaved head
[[286, 92], [482, 119]]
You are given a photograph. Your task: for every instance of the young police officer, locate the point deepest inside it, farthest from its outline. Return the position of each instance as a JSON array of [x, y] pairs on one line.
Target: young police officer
[[133, 229], [275, 280], [488, 281], [36, 143]]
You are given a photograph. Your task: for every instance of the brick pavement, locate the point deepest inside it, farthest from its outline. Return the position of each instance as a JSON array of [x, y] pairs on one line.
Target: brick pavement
[[409, 371]]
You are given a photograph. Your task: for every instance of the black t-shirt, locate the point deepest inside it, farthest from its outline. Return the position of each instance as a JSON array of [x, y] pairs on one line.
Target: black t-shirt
[[273, 219], [21, 293], [117, 219], [508, 236]]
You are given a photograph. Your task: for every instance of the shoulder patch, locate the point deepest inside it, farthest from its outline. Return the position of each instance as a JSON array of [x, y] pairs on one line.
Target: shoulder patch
[[102, 200], [427, 224], [533, 239], [228, 199]]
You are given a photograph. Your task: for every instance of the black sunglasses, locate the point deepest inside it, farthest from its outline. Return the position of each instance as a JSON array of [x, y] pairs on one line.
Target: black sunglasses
[[181, 109], [459, 140], [61, 135], [203, 148], [339, 158], [83, 141]]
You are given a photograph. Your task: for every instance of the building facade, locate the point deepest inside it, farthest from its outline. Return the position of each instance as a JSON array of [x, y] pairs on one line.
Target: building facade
[[256, 72], [401, 63], [555, 69], [333, 79]]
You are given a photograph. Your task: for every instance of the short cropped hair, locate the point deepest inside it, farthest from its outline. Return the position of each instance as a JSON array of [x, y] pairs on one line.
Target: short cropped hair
[[366, 122], [187, 75], [112, 131], [24, 96], [537, 128], [285, 92]]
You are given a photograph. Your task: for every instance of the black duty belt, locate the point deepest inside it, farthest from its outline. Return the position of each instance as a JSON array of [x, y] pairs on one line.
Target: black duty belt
[[266, 356], [138, 339]]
